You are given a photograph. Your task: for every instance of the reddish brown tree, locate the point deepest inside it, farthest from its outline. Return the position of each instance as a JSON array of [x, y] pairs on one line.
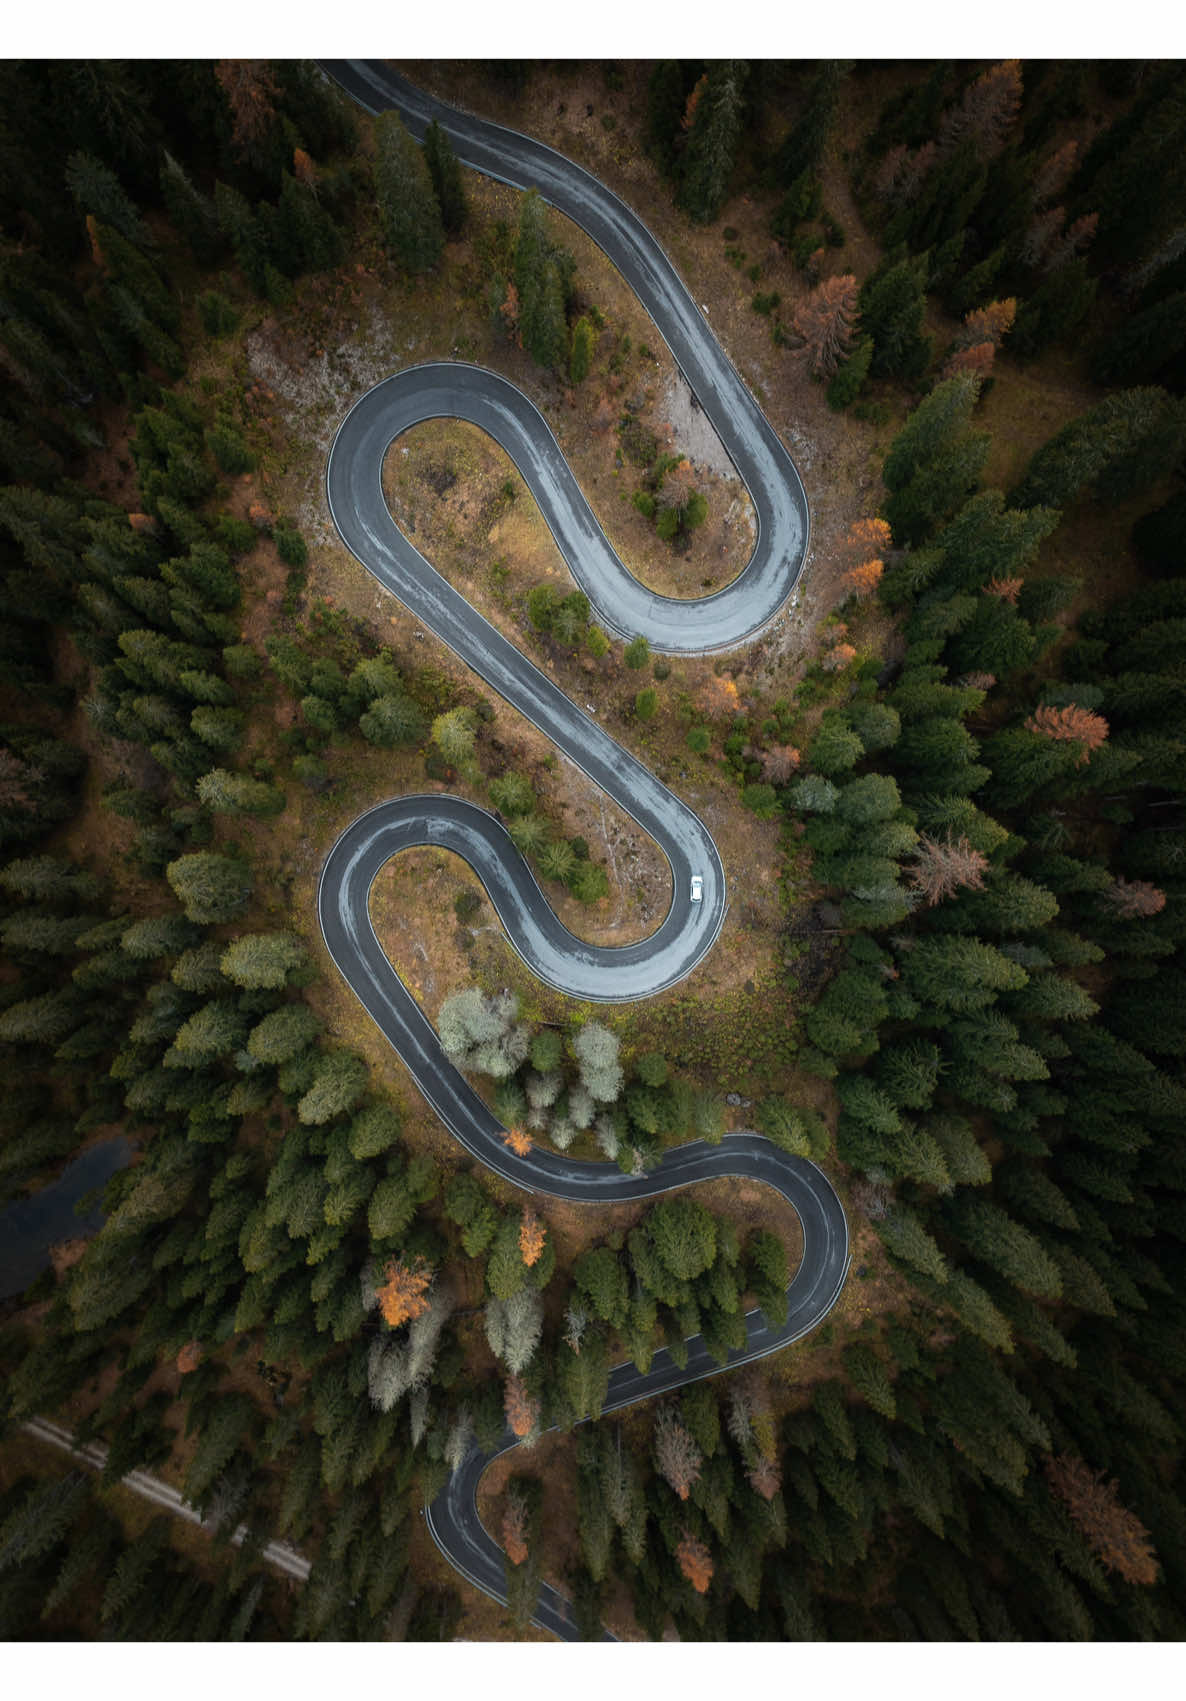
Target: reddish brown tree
[[521, 1409], [987, 110], [695, 1562], [303, 168], [404, 1293], [251, 90], [1134, 899], [862, 581], [676, 1454], [989, 324], [827, 322], [532, 1235], [694, 99], [779, 763], [1007, 589], [1116, 1535], [978, 360], [190, 1357], [866, 540], [1071, 725], [838, 658], [942, 866]]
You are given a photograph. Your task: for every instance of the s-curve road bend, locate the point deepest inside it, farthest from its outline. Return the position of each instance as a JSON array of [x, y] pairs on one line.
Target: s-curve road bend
[[454, 390]]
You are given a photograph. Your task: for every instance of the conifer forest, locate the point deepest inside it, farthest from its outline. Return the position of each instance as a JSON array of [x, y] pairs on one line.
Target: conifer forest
[[455, 1299]]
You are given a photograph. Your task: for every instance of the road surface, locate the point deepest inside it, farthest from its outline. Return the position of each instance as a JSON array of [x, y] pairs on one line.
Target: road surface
[[687, 933]]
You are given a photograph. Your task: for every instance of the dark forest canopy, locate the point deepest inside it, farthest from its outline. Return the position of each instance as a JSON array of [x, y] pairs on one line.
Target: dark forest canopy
[[978, 783]]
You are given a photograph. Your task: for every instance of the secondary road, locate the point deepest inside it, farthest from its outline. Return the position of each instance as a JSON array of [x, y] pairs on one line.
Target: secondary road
[[451, 389]]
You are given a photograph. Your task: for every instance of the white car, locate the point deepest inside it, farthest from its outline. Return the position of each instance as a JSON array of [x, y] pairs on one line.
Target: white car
[[697, 888]]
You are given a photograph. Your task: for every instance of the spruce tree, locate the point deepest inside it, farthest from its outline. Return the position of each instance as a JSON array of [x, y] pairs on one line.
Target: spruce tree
[[446, 178], [409, 215]]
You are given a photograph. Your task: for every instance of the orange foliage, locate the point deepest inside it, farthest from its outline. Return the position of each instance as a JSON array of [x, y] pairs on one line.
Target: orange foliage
[[1071, 725], [1132, 899], [838, 658], [1007, 589], [941, 866], [514, 1528], [518, 1140], [719, 696], [251, 90], [826, 321], [521, 1410], [989, 324], [259, 516], [303, 168], [190, 1357], [862, 581], [142, 522], [695, 1562], [866, 539], [532, 1235], [977, 360], [92, 230], [403, 1295], [689, 117], [1115, 1535]]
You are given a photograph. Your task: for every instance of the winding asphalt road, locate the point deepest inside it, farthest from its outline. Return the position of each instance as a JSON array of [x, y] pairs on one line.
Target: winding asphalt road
[[455, 390]]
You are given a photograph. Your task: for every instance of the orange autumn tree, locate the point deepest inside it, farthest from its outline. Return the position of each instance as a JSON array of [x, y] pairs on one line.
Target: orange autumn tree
[[1115, 1535], [827, 322], [838, 657], [1007, 589], [862, 581], [250, 90], [518, 1140], [532, 1235], [989, 324], [1070, 725], [866, 539], [695, 1562], [719, 695], [976, 360], [521, 1409], [303, 168], [190, 1357], [404, 1293]]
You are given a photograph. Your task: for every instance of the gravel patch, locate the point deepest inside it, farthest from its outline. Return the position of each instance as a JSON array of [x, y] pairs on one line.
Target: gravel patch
[[693, 432]]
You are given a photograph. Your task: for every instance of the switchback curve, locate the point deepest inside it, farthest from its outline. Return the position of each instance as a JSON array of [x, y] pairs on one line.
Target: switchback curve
[[356, 501]]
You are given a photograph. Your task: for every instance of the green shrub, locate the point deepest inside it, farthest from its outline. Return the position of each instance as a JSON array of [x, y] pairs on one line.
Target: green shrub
[[291, 546]]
